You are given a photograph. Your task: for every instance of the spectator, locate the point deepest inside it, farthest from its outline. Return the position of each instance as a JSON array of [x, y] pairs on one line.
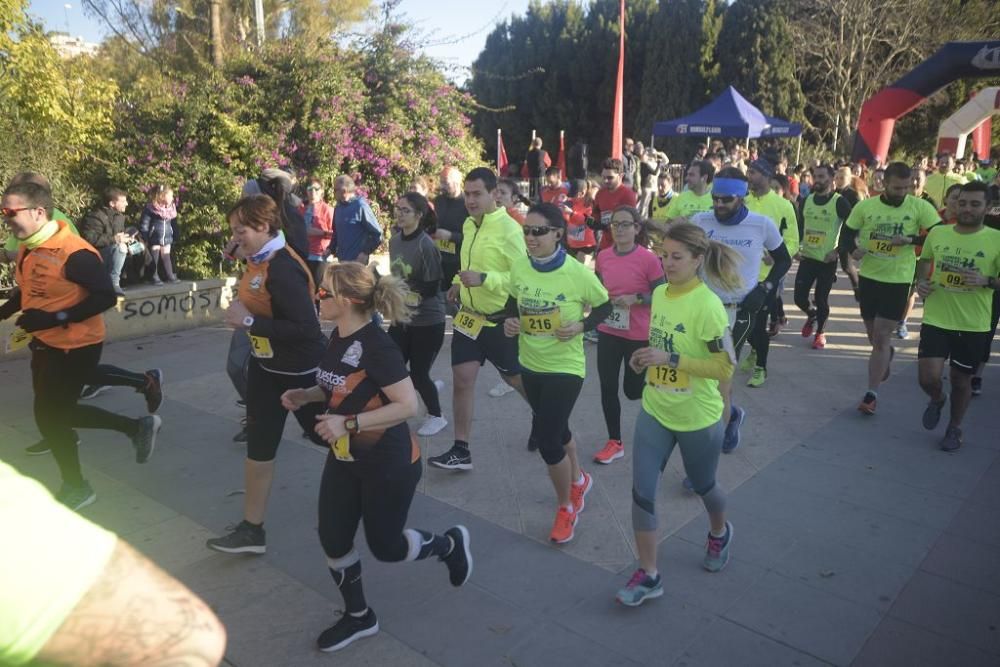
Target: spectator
[[318, 216], [630, 164], [649, 168], [577, 161], [357, 232], [613, 193], [421, 186], [579, 236], [508, 196], [104, 228], [156, 226], [535, 163]]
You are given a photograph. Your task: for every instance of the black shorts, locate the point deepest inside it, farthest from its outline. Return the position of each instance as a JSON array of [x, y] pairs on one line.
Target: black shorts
[[885, 300], [491, 345], [965, 348]]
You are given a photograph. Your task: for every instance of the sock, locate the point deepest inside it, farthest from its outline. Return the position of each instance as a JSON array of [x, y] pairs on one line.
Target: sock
[[873, 393], [653, 574], [569, 507], [424, 544], [462, 444], [717, 535], [581, 480], [348, 580]]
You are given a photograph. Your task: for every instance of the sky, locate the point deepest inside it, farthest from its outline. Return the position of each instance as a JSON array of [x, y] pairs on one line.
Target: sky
[[455, 30]]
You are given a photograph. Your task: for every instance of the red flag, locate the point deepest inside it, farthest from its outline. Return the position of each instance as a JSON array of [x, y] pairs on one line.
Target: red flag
[[502, 162], [561, 162], [616, 120]]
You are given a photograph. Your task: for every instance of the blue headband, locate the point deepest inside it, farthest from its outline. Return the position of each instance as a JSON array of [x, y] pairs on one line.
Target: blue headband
[[732, 187]]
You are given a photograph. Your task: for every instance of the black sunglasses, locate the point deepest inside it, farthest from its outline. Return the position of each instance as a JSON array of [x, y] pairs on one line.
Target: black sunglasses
[[538, 231], [724, 199]]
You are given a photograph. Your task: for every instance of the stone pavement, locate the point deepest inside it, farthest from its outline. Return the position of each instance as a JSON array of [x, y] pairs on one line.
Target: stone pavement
[[856, 540]]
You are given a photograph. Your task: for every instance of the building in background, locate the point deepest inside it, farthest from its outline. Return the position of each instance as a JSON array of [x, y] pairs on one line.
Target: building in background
[[68, 46]]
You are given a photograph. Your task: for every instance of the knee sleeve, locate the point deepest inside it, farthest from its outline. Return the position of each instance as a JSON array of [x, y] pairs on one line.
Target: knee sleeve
[[643, 512], [713, 499], [340, 563], [389, 549]]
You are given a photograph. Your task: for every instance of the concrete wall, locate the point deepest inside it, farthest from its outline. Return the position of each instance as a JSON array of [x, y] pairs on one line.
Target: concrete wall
[[148, 310]]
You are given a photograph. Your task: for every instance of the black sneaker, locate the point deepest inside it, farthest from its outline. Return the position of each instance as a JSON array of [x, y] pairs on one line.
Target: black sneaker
[[242, 435], [346, 630], [932, 414], [731, 439], [952, 439], [76, 497], [456, 458], [37, 449], [153, 391], [92, 391], [459, 561], [240, 403], [144, 440], [977, 386], [244, 538]]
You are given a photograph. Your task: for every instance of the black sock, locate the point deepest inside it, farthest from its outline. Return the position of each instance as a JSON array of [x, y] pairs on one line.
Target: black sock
[[462, 444], [348, 581], [433, 545]]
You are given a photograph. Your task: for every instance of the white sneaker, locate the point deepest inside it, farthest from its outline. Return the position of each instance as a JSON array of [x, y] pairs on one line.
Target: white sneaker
[[432, 426], [502, 389]]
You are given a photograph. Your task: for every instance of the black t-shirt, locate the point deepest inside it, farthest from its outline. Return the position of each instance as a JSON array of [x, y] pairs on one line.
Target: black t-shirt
[[352, 375]]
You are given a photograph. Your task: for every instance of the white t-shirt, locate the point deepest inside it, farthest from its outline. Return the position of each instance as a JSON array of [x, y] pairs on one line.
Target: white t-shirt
[[750, 237]]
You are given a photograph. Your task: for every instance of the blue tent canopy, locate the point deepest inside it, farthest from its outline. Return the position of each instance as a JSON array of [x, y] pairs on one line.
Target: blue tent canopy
[[728, 115]]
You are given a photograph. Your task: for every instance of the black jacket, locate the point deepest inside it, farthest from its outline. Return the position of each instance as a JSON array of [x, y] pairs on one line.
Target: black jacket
[[100, 225]]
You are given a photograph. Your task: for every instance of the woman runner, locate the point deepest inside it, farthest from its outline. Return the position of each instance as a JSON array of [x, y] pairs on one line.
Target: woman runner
[[630, 272], [690, 351], [551, 295], [374, 464]]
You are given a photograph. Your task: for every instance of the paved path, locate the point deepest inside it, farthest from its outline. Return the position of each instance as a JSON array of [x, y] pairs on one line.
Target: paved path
[[856, 540]]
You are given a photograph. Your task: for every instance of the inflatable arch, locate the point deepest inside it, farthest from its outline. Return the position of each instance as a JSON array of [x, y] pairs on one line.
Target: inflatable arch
[[954, 60], [975, 114]]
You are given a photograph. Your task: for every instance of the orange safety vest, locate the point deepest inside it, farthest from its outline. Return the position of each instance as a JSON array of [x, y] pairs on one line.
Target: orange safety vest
[[253, 286], [41, 274]]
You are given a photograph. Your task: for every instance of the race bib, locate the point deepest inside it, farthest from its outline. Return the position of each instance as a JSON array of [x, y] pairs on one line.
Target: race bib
[[619, 318], [413, 299], [342, 448], [577, 232], [445, 246], [540, 323], [17, 340], [261, 347], [468, 324], [606, 217], [669, 379], [815, 238], [880, 245], [952, 281]]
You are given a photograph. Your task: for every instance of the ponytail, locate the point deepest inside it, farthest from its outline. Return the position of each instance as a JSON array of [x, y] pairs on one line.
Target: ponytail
[[423, 209], [367, 291], [722, 264]]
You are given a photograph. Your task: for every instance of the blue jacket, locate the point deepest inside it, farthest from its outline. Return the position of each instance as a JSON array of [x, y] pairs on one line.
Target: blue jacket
[[356, 229], [154, 229]]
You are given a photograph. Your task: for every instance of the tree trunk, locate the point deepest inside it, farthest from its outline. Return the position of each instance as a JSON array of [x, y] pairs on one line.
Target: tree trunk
[[215, 27]]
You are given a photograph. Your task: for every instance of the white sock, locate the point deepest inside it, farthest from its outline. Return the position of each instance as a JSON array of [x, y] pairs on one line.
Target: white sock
[[580, 481], [360, 614], [717, 535]]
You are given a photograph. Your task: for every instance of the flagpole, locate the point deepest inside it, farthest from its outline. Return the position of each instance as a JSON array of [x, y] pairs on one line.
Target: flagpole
[[616, 119], [499, 139]]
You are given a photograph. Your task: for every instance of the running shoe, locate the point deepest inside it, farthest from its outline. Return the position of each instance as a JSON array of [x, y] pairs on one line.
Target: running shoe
[[688, 484], [952, 439], [902, 332], [717, 550], [37, 449], [459, 561], [562, 528], [731, 440], [243, 538], [456, 458], [640, 587], [153, 391], [819, 342], [578, 492], [432, 425], [346, 631], [612, 451], [867, 404], [758, 377], [92, 391], [977, 386], [501, 389], [76, 496], [240, 403], [590, 336], [888, 366], [439, 385], [807, 328], [144, 440], [749, 361], [242, 435], [932, 414], [774, 328]]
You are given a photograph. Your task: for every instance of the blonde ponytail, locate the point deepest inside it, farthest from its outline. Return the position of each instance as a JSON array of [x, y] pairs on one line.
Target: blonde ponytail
[[368, 291], [389, 298], [722, 264]]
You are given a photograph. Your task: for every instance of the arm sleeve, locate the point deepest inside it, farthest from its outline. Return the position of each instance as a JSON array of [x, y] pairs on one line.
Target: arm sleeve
[[782, 262], [597, 315], [87, 270], [800, 218], [855, 220], [844, 207], [294, 312], [717, 367], [790, 229]]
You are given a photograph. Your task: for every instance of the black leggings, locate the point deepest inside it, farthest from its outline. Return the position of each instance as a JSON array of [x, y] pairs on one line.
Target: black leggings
[[551, 397], [57, 376], [823, 275], [106, 375], [612, 351], [420, 347], [760, 341]]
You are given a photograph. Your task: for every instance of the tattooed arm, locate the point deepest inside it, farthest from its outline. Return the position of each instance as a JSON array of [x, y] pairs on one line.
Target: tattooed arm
[[136, 614]]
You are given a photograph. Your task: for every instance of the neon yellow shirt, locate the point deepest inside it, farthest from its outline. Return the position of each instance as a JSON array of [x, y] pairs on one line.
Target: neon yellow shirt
[[50, 559], [684, 323], [688, 203], [953, 305], [491, 248], [877, 222], [821, 227], [547, 301], [660, 211], [937, 186], [782, 213]]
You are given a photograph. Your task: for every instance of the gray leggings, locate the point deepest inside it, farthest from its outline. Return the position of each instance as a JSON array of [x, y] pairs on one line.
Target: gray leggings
[[238, 360], [653, 444]]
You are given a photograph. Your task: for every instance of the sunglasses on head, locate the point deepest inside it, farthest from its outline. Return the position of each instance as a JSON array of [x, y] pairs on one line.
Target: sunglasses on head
[[537, 231], [11, 212], [724, 199]]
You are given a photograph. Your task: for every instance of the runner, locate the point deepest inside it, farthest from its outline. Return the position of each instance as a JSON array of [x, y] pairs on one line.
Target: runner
[[659, 204], [580, 237], [958, 301], [492, 242], [764, 201], [63, 289], [613, 193], [823, 213], [876, 232], [993, 222], [630, 273], [551, 295], [697, 197], [842, 183], [373, 466], [690, 353], [508, 196], [415, 259], [731, 223], [276, 309]]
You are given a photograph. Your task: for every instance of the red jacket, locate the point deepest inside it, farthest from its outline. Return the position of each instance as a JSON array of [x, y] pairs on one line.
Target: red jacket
[[322, 218]]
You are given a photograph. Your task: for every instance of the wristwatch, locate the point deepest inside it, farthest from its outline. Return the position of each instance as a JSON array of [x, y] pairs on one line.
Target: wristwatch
[[638, 297], [674, 360], [351, 424], [248, 321], [767, 285], [62, 318], [482, 279]]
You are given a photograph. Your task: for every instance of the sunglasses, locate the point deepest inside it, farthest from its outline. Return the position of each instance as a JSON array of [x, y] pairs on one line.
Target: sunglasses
[[315, 188], [538, 231], [323, 295], [11, 212], [621, 225], [724, 199]]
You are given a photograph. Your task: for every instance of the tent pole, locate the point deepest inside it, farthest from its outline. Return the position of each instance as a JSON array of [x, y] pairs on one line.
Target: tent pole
[[798, 151]]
